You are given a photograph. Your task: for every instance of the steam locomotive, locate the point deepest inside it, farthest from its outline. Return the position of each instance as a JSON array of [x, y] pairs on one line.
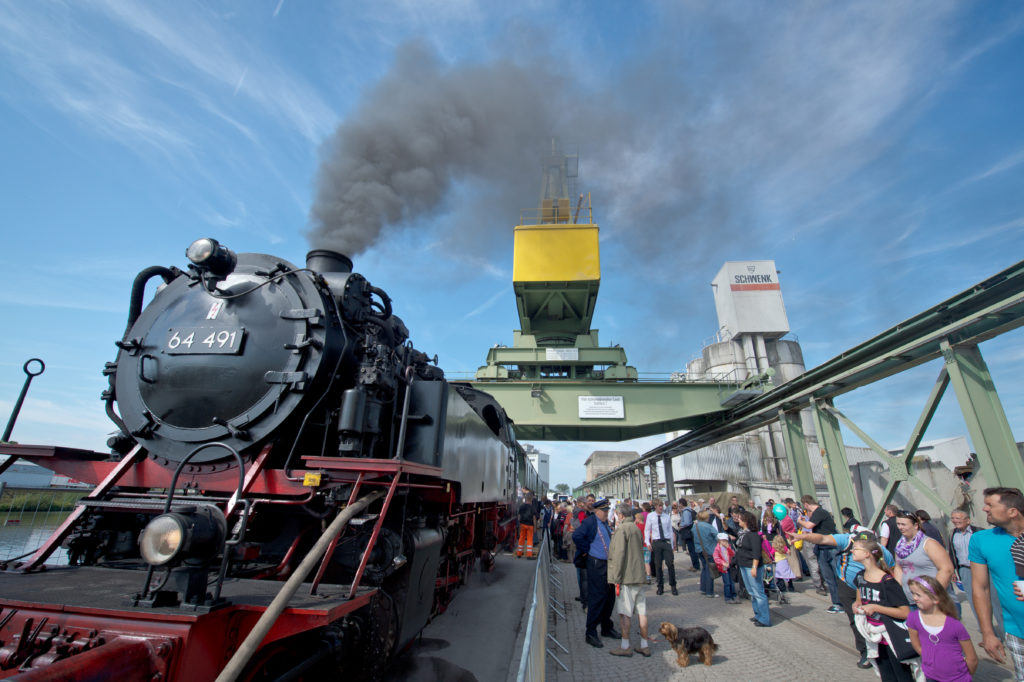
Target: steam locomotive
[[292, 489]]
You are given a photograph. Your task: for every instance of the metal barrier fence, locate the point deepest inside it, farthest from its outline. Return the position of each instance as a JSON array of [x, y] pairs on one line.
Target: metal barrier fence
[[28, 516], [535, 649]]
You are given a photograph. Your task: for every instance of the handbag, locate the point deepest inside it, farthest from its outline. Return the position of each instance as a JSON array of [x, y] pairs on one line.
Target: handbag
[[580, 560], [899, 638], [794, 564]]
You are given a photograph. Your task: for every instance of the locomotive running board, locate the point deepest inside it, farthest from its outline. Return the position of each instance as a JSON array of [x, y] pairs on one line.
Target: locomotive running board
[[59, 535]]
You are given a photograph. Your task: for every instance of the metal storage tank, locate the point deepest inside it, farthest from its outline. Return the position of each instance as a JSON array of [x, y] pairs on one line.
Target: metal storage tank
[[695, 369], [787, 358], [725, 361]]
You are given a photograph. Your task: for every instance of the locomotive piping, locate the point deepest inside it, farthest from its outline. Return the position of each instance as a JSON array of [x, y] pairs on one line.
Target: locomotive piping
[[252, 641], [139, 290]]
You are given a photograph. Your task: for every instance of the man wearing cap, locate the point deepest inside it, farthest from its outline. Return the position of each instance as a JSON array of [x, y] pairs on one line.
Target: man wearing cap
[[593, 538], [626, 569], [847, 569]]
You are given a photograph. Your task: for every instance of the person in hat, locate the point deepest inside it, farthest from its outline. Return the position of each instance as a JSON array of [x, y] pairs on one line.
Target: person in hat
[[847, 568], [722, 557], [593, 539]]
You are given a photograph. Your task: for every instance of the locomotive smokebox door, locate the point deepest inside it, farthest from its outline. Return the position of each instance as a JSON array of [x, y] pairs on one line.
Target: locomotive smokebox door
[[231, 365]]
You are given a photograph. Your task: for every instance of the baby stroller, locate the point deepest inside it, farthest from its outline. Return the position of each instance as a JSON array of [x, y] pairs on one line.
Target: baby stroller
[[770, 585]]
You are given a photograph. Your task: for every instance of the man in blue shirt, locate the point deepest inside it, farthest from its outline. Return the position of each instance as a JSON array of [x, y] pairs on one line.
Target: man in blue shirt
[[992, 566], [847, 568], [593, 538]]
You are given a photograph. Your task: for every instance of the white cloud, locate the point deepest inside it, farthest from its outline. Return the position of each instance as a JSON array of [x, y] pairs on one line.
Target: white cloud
[[962, 239], [84, 83], [213, 52], [500, 294], [1006, 163]]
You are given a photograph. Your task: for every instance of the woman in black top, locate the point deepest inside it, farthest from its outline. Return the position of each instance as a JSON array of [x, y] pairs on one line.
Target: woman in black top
[[930, 530], [880, 594], [849, 520], [748, 558]]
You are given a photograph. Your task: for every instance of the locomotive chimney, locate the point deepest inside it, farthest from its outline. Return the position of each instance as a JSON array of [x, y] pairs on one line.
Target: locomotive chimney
[[324, 260]]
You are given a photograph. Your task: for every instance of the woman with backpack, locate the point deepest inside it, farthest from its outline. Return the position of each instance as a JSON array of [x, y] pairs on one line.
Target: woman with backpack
[[749, 560], [705, 535]]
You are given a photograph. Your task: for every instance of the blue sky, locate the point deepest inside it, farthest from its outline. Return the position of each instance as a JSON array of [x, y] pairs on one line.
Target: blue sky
[[875, 151]]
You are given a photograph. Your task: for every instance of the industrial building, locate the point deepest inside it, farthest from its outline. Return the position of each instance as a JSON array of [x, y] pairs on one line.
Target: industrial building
[[752, 347]]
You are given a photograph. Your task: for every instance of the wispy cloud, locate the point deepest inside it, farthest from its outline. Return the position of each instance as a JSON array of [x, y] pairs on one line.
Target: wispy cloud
[[218, 219], [85, 84], [1006, 163], [471, 262], [113, 83], [1007, 30], [58, 301], [241, 79], [213, 52], [963, 238], [500, 294]]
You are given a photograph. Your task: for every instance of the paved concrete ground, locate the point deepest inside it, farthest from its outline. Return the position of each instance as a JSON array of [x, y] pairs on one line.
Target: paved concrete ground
[[804, 642], [478, 639]]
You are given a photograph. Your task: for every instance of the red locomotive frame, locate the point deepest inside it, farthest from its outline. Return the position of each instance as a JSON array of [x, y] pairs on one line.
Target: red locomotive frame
[[41, 640]]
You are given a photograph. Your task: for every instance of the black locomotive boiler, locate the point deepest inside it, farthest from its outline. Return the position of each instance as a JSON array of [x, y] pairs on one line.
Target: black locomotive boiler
[[293, 488]]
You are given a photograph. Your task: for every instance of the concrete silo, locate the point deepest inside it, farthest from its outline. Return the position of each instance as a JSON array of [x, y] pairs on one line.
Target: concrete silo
[[752, 321]]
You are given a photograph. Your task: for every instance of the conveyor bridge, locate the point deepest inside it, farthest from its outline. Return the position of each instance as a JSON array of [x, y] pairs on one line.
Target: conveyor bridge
[[951, 330]]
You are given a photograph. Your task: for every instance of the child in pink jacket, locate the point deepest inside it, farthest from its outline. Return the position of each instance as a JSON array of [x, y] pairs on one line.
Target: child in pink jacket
[[723, 556]]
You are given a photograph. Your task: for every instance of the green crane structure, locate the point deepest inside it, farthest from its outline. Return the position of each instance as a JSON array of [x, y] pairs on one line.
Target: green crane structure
[[556, 380]]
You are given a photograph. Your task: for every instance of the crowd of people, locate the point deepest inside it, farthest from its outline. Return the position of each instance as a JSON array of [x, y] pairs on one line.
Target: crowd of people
[[901, 585]]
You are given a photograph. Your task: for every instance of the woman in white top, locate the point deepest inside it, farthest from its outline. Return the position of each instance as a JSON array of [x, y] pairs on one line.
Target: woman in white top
[[917, 554]]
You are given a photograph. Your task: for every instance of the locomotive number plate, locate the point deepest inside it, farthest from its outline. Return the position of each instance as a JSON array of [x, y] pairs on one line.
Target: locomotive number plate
[[204, 341]]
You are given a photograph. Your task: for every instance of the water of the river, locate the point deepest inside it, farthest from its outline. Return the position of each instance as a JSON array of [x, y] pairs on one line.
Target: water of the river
[[22, 532]]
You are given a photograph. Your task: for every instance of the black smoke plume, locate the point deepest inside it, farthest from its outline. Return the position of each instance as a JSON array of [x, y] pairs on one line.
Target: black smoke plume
[[727, 133], [423, 126]]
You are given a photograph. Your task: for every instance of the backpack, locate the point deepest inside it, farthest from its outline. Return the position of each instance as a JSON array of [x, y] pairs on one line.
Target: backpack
[[767, 553]]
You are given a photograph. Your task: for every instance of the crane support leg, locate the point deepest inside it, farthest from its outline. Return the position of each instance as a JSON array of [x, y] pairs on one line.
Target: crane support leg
[[833, 454], [670, 488], [899, 465], [796, 453], [986, 421]]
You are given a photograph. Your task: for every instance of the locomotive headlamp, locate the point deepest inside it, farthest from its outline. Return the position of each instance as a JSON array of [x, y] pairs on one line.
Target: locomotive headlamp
[[207, 254], [195, 534], [161, 539]]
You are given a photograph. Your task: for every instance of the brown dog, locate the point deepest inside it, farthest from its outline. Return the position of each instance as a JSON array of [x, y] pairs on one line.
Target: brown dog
[[688, 641]]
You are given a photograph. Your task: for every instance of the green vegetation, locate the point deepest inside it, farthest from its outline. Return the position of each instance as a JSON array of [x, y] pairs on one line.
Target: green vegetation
[[16, 501]]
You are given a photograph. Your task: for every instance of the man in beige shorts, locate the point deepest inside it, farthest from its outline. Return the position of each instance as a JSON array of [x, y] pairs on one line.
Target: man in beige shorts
[[626, 571]]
